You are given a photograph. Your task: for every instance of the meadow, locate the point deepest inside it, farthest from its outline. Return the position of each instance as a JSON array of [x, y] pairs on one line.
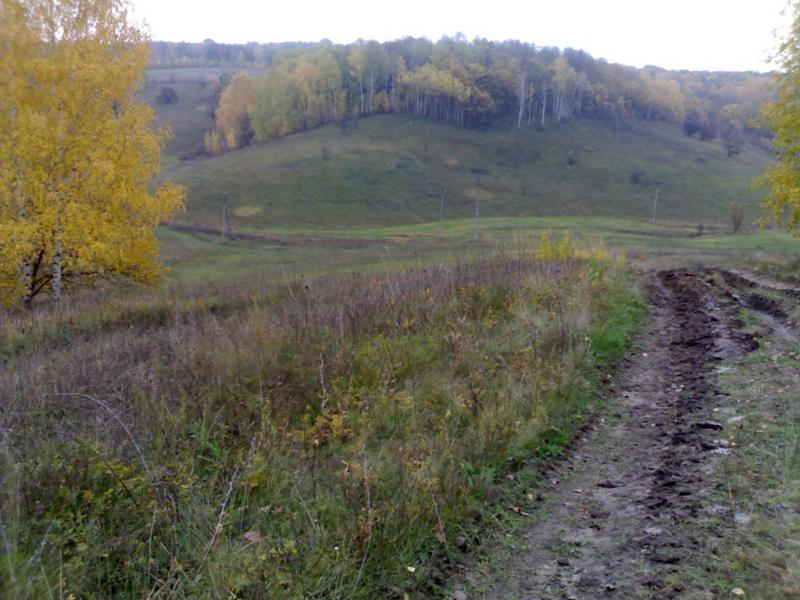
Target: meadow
[[345, 437], [327, 403], [389, 170], [387, 192]]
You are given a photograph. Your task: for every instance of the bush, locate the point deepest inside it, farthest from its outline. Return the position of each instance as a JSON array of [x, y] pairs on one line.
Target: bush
[[167, 95], [733, 141], [572, 157], [737, 216]]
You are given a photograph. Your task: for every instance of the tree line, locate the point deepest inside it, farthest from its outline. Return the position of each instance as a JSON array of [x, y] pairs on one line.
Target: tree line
[[473, 83], [208, 53]]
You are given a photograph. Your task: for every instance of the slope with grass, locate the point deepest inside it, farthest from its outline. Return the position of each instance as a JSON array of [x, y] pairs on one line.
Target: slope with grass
[[388, 170], [192, 114]]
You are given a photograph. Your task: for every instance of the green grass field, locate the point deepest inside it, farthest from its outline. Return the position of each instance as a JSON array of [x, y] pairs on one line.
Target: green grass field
[[387, 170], [195, 257], [255, 429], [369, 195], [189, 117]]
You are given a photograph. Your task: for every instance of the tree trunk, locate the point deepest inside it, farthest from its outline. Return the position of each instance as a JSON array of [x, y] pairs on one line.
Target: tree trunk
[[477, 211], [57, 272], [522, 82], [544, 106], [361, 91], [477, 215], [26, 276], [371, 91]]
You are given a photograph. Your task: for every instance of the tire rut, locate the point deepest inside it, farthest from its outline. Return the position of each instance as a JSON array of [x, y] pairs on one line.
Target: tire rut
[[613, 524]]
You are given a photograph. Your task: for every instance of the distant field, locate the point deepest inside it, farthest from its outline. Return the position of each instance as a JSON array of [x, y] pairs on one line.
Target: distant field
[[285, 254], [191, 74]]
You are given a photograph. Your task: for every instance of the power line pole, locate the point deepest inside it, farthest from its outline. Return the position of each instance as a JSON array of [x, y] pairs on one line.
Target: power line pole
[[226, 227], [441, 211], [477, 211], [655, 204]]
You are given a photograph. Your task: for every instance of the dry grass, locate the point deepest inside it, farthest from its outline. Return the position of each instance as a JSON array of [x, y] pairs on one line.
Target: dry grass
[[328, 439]]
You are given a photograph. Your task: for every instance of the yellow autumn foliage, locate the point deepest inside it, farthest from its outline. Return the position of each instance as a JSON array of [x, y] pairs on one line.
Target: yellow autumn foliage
[[78, 150], [233, 115]]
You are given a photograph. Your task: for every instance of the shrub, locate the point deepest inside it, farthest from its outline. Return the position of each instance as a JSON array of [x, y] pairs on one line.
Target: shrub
[[167, 95], [733, 141], [572, 157], [736, 214]]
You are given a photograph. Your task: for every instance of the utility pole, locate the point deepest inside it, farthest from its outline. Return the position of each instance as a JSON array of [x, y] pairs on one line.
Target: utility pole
[[441, 211], [477, 211], [655, 205], [226, 227]]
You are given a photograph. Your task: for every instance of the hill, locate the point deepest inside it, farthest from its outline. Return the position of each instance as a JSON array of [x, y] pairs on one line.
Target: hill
[[191, 113], [390, 170]]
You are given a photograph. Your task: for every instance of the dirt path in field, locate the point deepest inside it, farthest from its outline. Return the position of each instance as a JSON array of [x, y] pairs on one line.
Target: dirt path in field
[[615, 519]]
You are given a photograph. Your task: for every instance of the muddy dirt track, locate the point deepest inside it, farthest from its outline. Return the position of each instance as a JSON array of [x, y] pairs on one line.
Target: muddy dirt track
[[615, 519]]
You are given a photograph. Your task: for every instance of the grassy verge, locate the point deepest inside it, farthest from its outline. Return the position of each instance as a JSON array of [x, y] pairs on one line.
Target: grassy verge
[[333, 441], [758, 556], [490, 542]]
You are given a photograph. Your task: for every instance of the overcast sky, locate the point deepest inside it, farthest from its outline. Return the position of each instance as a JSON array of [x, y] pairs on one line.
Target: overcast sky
[[677, 34]]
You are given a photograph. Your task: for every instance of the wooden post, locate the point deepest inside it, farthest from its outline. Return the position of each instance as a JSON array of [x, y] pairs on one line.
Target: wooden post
[[477, 210], [655, 205], [226, 227], [441, 211]]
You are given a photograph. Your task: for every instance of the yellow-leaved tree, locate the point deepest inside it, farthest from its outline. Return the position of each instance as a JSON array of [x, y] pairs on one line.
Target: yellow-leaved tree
[[78, 149], [233, 128], [782, 116]]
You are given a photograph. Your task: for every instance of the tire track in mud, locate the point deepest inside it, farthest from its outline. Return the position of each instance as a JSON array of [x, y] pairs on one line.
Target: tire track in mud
[[614, 522]]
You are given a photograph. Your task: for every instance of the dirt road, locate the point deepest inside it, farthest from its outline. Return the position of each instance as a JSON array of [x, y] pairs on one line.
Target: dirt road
[[616, 519]]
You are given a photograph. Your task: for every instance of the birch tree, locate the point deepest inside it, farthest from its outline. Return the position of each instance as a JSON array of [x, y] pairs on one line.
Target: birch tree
[[358, 67], [783, 118], [78, 150], [233, 112]]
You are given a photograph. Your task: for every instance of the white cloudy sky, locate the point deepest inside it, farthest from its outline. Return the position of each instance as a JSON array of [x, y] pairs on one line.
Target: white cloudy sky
[[678, 34]]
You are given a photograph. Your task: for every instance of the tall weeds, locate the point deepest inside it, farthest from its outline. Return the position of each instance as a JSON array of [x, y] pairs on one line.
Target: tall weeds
[[326, 440]]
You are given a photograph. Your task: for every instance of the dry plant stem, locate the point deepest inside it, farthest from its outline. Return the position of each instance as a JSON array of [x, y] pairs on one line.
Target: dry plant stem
[[369, 521], [7, 548], [150, 545], [121, 423], [38, 554], [314, 524], [223, 506]]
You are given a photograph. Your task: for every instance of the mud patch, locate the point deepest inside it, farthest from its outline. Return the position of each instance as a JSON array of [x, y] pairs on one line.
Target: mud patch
[[765, 305]]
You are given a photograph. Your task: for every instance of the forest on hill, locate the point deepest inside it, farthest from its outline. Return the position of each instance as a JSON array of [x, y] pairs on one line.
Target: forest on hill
[[467, 83]]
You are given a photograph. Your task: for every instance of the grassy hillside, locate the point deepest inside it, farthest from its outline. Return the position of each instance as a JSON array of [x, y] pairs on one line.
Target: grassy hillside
[[367, 196], [192, 115], [387, 170], [189, 117]]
